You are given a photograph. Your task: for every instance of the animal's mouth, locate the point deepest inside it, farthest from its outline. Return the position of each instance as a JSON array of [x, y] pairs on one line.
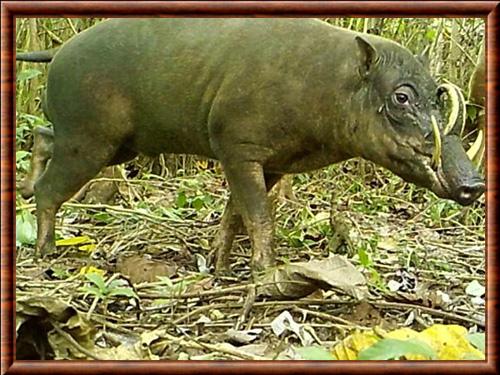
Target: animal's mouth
[[453, 178], [435, 176], [441, 183], [441, 186]]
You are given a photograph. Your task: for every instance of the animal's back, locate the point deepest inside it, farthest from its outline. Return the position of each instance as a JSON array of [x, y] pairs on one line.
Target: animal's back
[[159, 78]]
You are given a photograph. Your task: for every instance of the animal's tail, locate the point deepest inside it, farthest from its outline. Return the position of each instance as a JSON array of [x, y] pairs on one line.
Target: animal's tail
[[37, 56]]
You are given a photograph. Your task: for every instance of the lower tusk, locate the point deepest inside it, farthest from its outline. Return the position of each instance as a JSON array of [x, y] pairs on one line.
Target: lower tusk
[[476, 148], [436, 155]]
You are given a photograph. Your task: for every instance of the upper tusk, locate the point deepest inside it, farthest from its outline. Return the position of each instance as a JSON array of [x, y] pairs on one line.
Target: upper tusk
[[464, 110], [436, 155], [452, 94], [457, 102]]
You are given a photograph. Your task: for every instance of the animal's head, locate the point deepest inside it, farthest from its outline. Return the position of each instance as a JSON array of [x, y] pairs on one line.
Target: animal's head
[[414, 126]]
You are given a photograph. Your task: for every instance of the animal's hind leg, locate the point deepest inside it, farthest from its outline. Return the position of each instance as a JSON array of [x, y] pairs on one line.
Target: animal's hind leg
[[71, 166], [230, 223], [43, 142]]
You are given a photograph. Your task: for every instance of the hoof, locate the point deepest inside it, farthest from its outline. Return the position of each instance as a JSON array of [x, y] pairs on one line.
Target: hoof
[[223, 270], [263, 264], [43, 250]]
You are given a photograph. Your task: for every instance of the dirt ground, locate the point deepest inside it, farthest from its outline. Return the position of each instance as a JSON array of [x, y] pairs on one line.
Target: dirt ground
[[133, 278]]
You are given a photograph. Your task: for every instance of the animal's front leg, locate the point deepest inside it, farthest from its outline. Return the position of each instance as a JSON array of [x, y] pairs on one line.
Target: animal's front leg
[[248, 188]]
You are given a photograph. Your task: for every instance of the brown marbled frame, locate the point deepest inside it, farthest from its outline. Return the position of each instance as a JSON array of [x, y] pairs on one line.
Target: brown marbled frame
[[12, 9]]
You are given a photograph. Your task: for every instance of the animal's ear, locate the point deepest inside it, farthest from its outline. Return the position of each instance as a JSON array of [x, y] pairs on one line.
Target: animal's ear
[[424, 57], [370, 55]]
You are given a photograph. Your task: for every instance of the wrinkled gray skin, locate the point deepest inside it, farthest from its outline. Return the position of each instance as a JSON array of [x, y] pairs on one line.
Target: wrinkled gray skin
[[264, 96]]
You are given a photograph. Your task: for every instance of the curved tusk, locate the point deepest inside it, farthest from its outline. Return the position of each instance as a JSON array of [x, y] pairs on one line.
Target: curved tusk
[[464, 110], [453, 96], [476, 146], [436, 155], [457, 102]]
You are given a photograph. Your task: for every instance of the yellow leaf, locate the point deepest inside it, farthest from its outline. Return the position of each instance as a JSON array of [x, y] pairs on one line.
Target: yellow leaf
[[403, 334], [88, 248], [91, 269], [73, 241], [349, 348], [387, 244], [450, 342], [202, 164]]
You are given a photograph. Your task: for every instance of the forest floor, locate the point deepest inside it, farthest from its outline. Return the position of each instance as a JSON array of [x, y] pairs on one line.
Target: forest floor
[[134, 278]]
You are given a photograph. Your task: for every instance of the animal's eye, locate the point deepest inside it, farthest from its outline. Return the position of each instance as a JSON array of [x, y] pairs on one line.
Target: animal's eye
[[401, 98], [404, 95]]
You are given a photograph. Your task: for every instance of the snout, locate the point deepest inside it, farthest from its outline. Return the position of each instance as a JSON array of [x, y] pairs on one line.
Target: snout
[[455, 170], [468, 193], [458, 174]]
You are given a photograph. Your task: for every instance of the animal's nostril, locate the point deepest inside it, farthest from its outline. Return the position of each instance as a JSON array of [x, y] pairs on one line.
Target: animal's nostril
[[470, 193]]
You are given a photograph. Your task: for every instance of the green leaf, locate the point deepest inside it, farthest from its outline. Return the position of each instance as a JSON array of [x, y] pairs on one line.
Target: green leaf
[[33, 120], [25, 229], [60, 272], [127, 292], [377, 279], [97, 279], [197, 203], [89, 289], [207, 199], [27, 74], [315, 353], [20, 155], [472, 112], [430, 35], [478, 340], [394, 349], [364, 257], [181, 200], [117, 284], [103, 216]]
